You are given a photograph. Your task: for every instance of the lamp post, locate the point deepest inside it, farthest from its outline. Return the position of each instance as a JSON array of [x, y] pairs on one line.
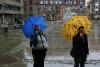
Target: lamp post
[[3, 13]]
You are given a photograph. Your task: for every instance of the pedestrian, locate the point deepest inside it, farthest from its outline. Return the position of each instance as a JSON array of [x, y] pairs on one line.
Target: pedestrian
[[80, 48], [5, 28], [39, 46]]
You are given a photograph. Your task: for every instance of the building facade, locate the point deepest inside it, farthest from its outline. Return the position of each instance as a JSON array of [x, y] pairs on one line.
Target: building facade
[[9, 10], [53, 9], [95, 9], [89, 9]]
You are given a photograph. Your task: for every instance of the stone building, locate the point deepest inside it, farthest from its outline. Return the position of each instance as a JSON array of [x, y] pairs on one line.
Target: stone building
[[9, 10]]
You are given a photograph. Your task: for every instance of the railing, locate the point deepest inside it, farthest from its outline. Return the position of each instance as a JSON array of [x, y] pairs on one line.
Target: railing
[[11, 12], [11, 2]]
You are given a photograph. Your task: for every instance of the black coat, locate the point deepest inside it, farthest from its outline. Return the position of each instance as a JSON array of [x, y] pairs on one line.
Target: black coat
[[33, 40], [80, 46]]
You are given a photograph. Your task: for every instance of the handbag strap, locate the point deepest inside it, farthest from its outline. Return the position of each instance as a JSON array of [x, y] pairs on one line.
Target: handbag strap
[[41, 38]]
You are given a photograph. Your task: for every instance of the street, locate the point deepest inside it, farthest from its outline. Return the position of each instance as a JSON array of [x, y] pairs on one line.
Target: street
[[61, 20], [49, 65], [15, 49]]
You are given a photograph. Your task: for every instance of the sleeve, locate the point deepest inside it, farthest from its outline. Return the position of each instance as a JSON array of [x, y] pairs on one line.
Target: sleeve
[[87, 44], [30, 43], [72, 53], [74, 41]]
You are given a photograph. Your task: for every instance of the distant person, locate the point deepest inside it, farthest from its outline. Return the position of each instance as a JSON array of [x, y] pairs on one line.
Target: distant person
[[80, 48], [39, 46], [5, 28]]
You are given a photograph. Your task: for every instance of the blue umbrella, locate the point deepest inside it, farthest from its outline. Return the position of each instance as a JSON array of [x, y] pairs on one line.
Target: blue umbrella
[[28, 26]]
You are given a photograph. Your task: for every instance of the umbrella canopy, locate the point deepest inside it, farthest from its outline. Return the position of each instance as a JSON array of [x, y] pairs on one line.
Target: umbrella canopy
[[28, 26], [71, 26]]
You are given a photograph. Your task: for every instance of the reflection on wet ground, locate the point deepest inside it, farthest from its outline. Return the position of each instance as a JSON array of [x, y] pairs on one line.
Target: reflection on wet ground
[[15, 50], [8, 42], [94, 38]]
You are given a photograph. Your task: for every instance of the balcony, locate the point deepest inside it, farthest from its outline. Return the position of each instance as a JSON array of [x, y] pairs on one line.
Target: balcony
[[11, 2], [11, 12]]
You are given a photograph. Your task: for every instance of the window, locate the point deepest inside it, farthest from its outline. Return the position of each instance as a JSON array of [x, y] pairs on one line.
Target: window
[[96, 4], [81, 2], [5, 7], [46, 2], [60, 2], [11, 7], [30, 2], [56, 2], [96, 12], [37, 2], [41, 2], [31, 8], [51, 2], [66, 2], [71, 2], [0, 6], [96, 0], [74, 2], [96, 16], [96, 9], [17, 0]]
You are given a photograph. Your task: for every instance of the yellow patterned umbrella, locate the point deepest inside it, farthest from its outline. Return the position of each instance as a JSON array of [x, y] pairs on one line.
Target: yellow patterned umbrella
[[71, 26]]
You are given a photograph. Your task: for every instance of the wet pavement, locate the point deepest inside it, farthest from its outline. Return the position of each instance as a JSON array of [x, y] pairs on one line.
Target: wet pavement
[[7, 43], [94, 38], [16, 52], [47, 65]]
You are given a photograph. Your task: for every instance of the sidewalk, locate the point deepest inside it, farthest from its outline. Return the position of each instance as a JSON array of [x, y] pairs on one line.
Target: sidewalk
[[10, 40], [7, 42], [93, 58], [47, 65], [64, 65], [13, 45], [54, 61]]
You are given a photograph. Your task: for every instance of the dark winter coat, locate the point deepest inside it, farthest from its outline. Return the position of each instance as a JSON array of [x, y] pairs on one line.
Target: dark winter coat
[[80, 46]]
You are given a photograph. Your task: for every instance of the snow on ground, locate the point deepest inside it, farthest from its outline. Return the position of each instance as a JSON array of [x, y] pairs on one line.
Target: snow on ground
[[94, 55], [93, 58], [64, 65]]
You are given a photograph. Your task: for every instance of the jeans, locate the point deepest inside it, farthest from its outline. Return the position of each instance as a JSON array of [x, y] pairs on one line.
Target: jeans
[[80, 60], [39, 57]]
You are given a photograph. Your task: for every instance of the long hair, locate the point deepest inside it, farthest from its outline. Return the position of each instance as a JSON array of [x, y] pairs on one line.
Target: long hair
[[81, 27]]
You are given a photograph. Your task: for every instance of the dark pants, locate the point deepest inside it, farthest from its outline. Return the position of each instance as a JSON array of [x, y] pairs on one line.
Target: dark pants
[[39, 57], [80, 61]]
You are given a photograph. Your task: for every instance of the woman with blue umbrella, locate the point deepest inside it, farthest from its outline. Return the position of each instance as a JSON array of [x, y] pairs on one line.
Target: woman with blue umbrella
[[39, 46], [33, 28], [29, 23]]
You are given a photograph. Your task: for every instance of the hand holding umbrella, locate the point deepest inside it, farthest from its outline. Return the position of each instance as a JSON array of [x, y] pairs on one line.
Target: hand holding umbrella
[[28, 26]]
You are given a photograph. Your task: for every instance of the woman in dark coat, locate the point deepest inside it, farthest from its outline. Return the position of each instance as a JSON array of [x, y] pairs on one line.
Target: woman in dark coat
[[80, 48]]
